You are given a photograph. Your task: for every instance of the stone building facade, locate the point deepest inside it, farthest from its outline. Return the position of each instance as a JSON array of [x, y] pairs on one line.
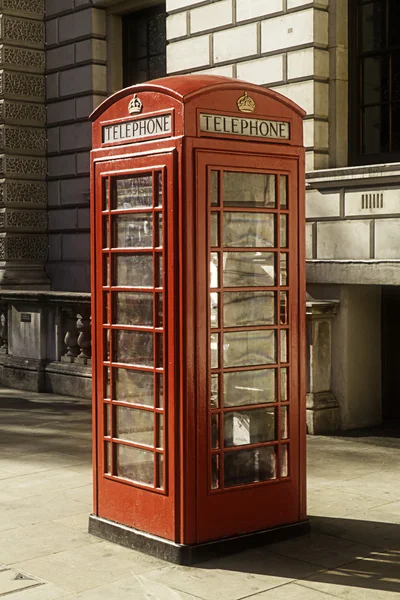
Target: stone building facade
[[61, 58]]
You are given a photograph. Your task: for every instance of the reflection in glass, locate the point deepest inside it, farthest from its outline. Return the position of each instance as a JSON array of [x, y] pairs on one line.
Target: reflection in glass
[[107, 420], [249, 427], [214, 229], [133, 308], [242, 388], [249, 229], [284, 308], [214, 394], [133, 347], [158, 230], [133, 231], [159, 310], [107, 458], [107, 383], [242, 348], [160, 431], [134, 425], [215, 471], [160, 391], [106, 298], [135, 464], [160, 471], [284, 461], [106, 195], [133, 192], [249, 190], [284, 385], [159, 189], [284, 345], [135, 270], [214, 350], [214, 188], [283, 191], [106, 333], [283, 267], [214, 270], [214, 309], [159, 349], [159, 270], [214, 432], [243, 269], [249, 466], [284, 422], [243, 309], [106, 269], [106, 232], [136, 387], [283, 234]]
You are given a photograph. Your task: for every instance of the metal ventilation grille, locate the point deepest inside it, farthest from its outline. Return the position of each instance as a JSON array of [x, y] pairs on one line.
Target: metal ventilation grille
[[372, 200]]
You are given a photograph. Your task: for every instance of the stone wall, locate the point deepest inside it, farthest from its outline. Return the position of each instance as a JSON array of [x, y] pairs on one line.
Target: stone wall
[[76, 57]]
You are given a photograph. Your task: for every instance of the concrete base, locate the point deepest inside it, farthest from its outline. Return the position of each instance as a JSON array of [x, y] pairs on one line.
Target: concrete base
[[182, 554], [322, 414]]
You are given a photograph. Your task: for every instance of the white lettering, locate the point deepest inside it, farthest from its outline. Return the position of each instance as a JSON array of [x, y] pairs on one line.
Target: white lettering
[[138, 129], [260, 128]]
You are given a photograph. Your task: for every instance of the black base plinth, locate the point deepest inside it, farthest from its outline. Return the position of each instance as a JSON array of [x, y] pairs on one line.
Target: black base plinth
[[182, 554]]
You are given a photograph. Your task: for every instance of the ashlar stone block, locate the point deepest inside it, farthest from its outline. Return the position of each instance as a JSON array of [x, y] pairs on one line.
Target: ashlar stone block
[[176, 25], [25, 32], [211, 16], [24, 140], [387, 238], [23, 193], [188, 54], [22, 113], [83, 23], [262, 71], [22, 59], [257, 8], [22, 86], [238, 42], [294, 29], [343, 240], [322, 205], [23, 167], [29, 8]]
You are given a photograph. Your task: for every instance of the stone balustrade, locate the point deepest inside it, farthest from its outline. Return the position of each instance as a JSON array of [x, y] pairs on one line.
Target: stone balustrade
[[45, 342]]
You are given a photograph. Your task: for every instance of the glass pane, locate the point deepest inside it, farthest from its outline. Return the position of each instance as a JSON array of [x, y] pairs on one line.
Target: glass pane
[[214, 229], [249, 387], [214, 395], [160, 471], [106, 195], [376, 129], [107, 383], [106, 298], [284, 308], [284, 423], [160, 431], [159, 349], [215, 471], [158, 230], [284, 346], [134, 425], [159, 270], [134, 192], [214, 432], [107, 420], [375, 80], [135, 464], [393, 21], [249, 466], [214, 188], [395, 77], [107, 458], [133, 270], [283, 221], [106, 269], [214, 270], [243, 229], [136, 387], [249, 190], [214, 309], [133, 308], [249, 427], [249, 308], [133, 231], [243, 269], [249, 348], [214, 350], [283, 191], [159, 310], [160, 391], [372, 26], [106, 232], [133, 347], [106, 344], [284, 461], [284, 385], [159, 182], [283, 268]]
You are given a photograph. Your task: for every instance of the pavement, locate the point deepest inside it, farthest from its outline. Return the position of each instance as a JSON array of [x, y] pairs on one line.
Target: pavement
[[352, 552]]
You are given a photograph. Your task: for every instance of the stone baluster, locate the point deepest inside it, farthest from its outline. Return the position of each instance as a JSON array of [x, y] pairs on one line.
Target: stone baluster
[[3, 330], [71, 338], [83, 325]]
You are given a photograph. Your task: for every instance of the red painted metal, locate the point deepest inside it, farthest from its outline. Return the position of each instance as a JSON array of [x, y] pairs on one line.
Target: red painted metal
[[187, 508]]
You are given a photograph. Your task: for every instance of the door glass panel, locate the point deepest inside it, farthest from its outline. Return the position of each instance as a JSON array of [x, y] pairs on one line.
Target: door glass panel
[[160, 471], [133, 347], [214, 431], [214, 309], [214, 196], [107, 457], [214, 396], [136, 387], [135, 464], [134, 425], [133, 270], [133, 192], [249, 308], [158, 230], [214, 471], [283, 233], [133, 231], [214, 229], [214, 270], [249, 348], [160, 431], [284, 308], [106, 232], [243, 229], [249, 427], [107, 420], [242, 269], [284, 346], [106, 195], [106, 269], [159, 270], [284, 278], [284, 385], [133, 308], [249, 466], [284, 422], [250, 190], [283, 191], [243, 388], [284, 461], [214, 350]]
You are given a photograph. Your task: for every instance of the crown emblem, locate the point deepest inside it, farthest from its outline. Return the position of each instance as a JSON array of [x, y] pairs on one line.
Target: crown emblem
[[135, 106], [246, 104]]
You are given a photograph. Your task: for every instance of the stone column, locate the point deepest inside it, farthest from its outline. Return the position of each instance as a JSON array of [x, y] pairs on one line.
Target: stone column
[[23, 201], [323, 411]]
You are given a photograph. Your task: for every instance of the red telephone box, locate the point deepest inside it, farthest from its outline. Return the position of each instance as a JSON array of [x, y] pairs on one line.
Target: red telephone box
[[198, 287]]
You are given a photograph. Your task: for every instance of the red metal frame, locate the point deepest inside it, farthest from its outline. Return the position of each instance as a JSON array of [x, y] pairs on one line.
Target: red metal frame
[[187, 510]]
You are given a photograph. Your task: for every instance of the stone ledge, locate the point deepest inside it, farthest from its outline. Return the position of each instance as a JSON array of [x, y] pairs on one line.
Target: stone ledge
[[362, 272], [383, 174]]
